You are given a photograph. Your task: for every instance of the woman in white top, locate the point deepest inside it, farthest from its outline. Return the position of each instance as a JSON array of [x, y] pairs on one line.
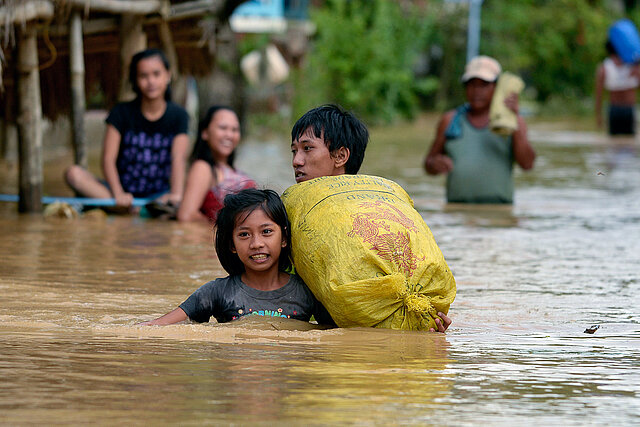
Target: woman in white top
[[621, 81]]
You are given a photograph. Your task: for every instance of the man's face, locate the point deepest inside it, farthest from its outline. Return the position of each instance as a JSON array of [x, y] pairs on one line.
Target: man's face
[[479, 93], [312, 159]]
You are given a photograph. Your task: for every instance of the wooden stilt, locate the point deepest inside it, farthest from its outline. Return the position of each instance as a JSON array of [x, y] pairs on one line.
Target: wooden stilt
[[29, 122], [168, 47], [178, 83], [9, 137], [4, 143], [78, 102], [132, 40]]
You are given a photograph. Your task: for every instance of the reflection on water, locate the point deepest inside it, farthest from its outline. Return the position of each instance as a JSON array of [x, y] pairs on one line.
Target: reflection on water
[[531, 278]]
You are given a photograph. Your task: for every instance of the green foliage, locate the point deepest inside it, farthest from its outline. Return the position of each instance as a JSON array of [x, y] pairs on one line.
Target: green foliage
[[555, 45], [365, 51], [250, 42], [363, 56]]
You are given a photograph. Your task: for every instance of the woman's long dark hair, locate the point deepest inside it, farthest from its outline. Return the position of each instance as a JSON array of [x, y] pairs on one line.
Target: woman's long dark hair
[[201, 149], [133, 70], [237, 206]]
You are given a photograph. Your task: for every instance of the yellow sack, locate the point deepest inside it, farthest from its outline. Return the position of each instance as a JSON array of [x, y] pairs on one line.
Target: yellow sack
[[366, 253], [503, 120]]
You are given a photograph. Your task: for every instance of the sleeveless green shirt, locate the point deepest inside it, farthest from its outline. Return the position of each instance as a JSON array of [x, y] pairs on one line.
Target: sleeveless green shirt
[[482, 166]]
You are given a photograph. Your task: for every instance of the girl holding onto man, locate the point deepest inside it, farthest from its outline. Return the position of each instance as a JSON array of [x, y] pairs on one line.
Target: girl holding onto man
[[252, 241]]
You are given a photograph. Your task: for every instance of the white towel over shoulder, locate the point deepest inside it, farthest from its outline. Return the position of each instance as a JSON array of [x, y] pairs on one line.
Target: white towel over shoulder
[[502, 120]]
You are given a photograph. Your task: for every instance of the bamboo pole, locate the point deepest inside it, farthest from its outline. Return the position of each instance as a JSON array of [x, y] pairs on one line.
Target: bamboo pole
[[178, 83], [146, 7], [9, 144], [168, 47], [132, 40], [25, 11], [137, 7], [196, 8], [29, 121], [176, 12], [78, 102], [3, 138]]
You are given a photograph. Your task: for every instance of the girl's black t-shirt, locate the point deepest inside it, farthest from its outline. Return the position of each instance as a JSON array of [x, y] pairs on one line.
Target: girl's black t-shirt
[[144, 157]]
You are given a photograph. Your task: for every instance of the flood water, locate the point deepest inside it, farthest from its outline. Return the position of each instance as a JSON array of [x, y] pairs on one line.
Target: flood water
[[531, 278]]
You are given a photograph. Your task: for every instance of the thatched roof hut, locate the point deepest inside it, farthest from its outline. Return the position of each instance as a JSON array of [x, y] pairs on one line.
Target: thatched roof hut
[[57, 55], [195, 31]]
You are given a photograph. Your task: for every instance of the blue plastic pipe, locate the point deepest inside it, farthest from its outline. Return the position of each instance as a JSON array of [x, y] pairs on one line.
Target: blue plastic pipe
[[84, 201]]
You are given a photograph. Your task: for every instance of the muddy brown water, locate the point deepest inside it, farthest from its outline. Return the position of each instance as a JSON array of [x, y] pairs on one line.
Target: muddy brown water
[[531, 278]]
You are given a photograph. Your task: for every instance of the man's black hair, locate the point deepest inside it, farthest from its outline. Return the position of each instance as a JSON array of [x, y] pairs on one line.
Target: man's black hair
[[237, 206], [201, 149], [339, 128], [133, 69]]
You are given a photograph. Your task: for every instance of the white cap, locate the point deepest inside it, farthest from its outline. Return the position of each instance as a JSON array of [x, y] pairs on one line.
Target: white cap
[[483, 68]]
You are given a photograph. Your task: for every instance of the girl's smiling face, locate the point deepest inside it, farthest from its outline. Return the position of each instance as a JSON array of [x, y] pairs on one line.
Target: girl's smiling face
[[257, 240], [153, 78], [222, 134]]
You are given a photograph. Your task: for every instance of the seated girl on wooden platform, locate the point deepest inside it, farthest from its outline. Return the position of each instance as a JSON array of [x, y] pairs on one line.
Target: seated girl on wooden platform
[[145, 143]]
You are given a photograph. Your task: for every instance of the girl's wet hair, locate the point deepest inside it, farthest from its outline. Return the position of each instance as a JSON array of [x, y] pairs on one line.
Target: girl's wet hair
[[237, 207], [201, 149], [133, 69]]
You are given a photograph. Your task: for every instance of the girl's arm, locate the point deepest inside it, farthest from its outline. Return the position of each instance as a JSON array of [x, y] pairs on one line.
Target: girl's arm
[[176, 316], [110, 150], [199, 182], [178, 166]]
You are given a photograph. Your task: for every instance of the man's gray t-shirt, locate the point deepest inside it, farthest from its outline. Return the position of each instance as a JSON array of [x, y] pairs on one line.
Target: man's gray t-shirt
[[229, 298]]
